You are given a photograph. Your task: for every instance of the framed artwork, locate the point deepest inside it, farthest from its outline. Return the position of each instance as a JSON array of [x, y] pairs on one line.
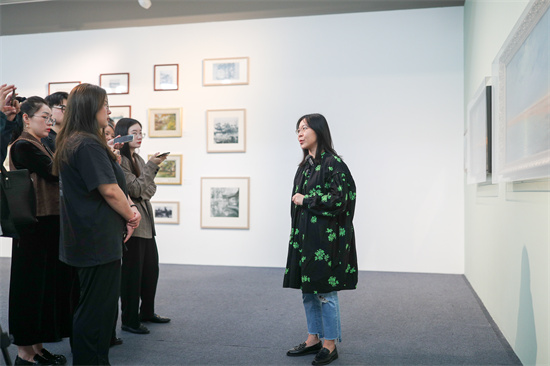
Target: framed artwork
[[115, 83], [226, 130], [166, 77], [225, 203], [170, 170], [225, 71], [63, 86], [165, 122], [521, 99], [166, 212], [478, 136], [119, 112]]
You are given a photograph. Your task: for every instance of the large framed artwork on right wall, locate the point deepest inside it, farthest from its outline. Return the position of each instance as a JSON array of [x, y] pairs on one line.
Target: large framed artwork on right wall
[[521, 108]]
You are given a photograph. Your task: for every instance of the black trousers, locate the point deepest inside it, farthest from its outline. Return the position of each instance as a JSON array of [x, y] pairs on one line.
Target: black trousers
[[140, 273], [95, 314]]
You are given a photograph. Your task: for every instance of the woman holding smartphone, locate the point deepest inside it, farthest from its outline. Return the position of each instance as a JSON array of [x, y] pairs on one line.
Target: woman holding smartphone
[[140, 263]]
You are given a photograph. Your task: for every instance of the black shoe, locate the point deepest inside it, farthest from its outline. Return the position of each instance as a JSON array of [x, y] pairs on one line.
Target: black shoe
[[156, 319], [116, 342], [324, 357], [53, 359], [301, 349], [38, 360], [139, 330]]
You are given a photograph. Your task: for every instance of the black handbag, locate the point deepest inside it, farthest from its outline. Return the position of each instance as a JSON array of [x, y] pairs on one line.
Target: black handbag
[[17, 202]]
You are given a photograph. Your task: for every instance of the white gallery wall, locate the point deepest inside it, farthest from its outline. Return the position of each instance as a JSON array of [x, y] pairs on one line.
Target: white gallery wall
[[507, 233], [389, 83]]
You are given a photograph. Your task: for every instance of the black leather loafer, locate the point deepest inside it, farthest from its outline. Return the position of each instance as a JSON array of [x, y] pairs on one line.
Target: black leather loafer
[[53, 359], [116, 341], [156, 319], [139, 330], [38, 360], [324, 357], [302, 349]]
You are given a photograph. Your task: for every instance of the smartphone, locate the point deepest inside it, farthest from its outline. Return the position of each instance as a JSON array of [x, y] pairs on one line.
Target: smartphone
[[163, 154], [123, 139], [10, 100]]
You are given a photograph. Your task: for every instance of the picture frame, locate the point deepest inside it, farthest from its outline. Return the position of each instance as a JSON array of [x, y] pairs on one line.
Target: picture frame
[[521, 99], [478, 136], [170, 170], [226, 130], [166, 77], [119, 112], [116, 83], [225, 71], [166, 212], [165, 122], [62, 86], [225, 203]]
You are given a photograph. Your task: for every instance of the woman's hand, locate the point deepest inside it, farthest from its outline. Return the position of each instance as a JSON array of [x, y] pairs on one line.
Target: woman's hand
[[114, 146], [129, 232], [134, 221], [12, 109], [298, 199], [158, 159]]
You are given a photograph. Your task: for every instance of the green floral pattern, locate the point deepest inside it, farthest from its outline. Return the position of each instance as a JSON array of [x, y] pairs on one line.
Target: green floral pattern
[[321, 253]]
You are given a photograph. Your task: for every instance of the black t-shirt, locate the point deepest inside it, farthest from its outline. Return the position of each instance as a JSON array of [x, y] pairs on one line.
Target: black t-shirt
[[91, 231]]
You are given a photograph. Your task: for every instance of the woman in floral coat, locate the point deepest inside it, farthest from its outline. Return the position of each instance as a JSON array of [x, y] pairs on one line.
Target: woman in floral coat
[[322, 259]]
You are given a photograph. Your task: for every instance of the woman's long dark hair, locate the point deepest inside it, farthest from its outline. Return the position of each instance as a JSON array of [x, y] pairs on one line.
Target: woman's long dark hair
[[79, 121], [318, 123], [122, 127]]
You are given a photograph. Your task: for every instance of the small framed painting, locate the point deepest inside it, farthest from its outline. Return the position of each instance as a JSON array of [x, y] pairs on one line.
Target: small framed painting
[[169, 171], [166, 212], [225, 71], [115, 83], [63, 86], [119, 112], [225, 203], [166, 77], [226, 130], [165, 122]]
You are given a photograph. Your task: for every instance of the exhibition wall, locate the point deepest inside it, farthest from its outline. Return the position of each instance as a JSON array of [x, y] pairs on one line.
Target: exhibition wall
[[389, 83], [507, 256]]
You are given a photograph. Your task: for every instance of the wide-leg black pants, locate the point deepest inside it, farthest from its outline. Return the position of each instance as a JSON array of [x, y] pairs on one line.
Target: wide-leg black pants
[[95, 314], [140, 273]]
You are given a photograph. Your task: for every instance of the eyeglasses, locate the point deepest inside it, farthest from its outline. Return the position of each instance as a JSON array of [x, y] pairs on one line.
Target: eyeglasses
[[304, 128], [61, 106], [47, 119], [142, 134]]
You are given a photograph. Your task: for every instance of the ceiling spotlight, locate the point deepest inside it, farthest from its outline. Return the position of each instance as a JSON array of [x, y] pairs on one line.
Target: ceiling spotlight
[[146, 4]]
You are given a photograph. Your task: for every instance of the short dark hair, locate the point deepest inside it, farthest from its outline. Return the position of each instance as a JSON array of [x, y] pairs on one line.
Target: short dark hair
[[56, 98], [318, 123]]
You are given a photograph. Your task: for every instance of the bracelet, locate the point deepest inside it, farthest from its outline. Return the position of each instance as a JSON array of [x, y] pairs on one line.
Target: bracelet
[[133, 206]]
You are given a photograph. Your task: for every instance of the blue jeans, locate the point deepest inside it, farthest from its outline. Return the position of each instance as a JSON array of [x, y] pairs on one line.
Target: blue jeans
[[323, 315]]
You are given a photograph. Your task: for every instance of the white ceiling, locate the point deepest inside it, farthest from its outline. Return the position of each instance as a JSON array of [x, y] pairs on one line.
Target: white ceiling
[[42, 16]]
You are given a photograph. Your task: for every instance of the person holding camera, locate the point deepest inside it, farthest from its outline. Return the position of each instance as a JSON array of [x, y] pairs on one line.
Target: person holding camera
[[140, 263], [40, 285], [9, 108]]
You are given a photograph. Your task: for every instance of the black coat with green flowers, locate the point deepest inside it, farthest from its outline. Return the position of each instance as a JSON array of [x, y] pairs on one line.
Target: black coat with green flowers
[[321, 254]]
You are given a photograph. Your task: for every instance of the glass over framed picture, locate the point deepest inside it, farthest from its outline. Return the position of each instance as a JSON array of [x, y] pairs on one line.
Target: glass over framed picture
[[225, 71], [115, 83], [166, 77], [226, 130], [62, 86], [521, 108], [225, 203], [119, 112], [166, 212], [165, 122], [170, 170]]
